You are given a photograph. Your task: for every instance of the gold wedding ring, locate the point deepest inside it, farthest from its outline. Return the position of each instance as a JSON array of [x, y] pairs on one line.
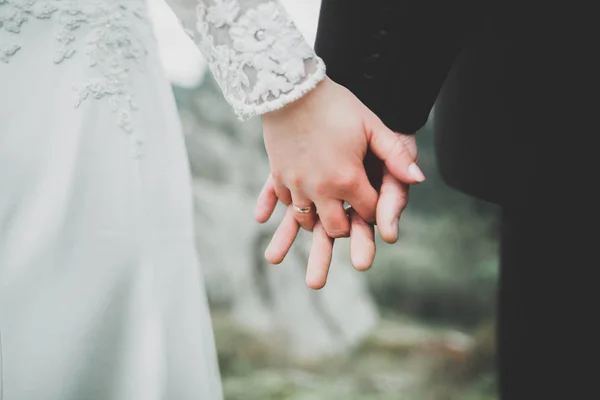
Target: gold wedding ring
[[302, 210]]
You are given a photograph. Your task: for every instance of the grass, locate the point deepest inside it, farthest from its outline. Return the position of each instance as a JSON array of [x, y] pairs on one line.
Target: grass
[[401, 360]]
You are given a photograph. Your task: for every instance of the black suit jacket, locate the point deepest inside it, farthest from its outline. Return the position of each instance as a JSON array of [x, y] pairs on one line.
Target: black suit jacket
[[510, 76]]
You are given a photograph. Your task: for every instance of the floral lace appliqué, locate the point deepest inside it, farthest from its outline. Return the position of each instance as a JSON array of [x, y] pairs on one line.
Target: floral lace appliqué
[[110, 46], [257, 55]]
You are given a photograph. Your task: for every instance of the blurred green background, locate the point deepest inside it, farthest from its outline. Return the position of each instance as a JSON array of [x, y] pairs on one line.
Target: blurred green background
[[434, 291]]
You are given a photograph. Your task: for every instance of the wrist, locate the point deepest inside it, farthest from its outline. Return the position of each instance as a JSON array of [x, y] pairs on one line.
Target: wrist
[[302, 103]]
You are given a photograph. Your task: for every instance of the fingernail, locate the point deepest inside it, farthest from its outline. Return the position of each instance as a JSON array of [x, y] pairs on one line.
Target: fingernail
[[416, 173]]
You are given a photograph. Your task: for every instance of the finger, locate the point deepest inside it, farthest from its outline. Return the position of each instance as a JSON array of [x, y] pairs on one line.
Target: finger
[[392, 201], [362, 242], [397, 151], [306, 220], [363, 197], [319, 259], [283, 238], [283, 193], [266, 202], [334, 218]]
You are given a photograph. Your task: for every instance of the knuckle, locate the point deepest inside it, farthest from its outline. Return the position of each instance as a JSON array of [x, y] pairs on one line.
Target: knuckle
[[347, 182], [403, 148], [399, 149], [295, 181], [322, 188], [276, 175]]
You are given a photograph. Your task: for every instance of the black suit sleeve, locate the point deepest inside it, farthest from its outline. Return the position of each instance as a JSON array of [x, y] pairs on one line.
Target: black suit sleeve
[[394, 54]]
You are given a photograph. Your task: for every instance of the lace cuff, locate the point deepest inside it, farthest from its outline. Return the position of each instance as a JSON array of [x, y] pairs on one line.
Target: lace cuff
[[256, 54]]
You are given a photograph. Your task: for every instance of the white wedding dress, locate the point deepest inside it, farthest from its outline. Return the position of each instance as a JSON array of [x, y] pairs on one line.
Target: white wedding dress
[[101, 296]]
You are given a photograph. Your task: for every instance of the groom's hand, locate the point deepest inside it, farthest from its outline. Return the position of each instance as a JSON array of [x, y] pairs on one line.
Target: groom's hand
[[392, 201], [316, 147]]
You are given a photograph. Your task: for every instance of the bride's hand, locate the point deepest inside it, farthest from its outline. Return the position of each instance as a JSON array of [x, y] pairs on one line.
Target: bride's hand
[[316, 146], [392, 201]]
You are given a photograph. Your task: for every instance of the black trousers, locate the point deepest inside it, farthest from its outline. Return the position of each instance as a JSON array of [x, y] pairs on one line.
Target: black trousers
[[549, 303]]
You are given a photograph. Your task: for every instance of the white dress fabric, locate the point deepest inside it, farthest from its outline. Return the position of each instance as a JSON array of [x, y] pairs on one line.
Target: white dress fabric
[[101, 296]]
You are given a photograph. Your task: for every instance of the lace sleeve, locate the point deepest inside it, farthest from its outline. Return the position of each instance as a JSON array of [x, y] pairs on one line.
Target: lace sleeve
[[256, 54]]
